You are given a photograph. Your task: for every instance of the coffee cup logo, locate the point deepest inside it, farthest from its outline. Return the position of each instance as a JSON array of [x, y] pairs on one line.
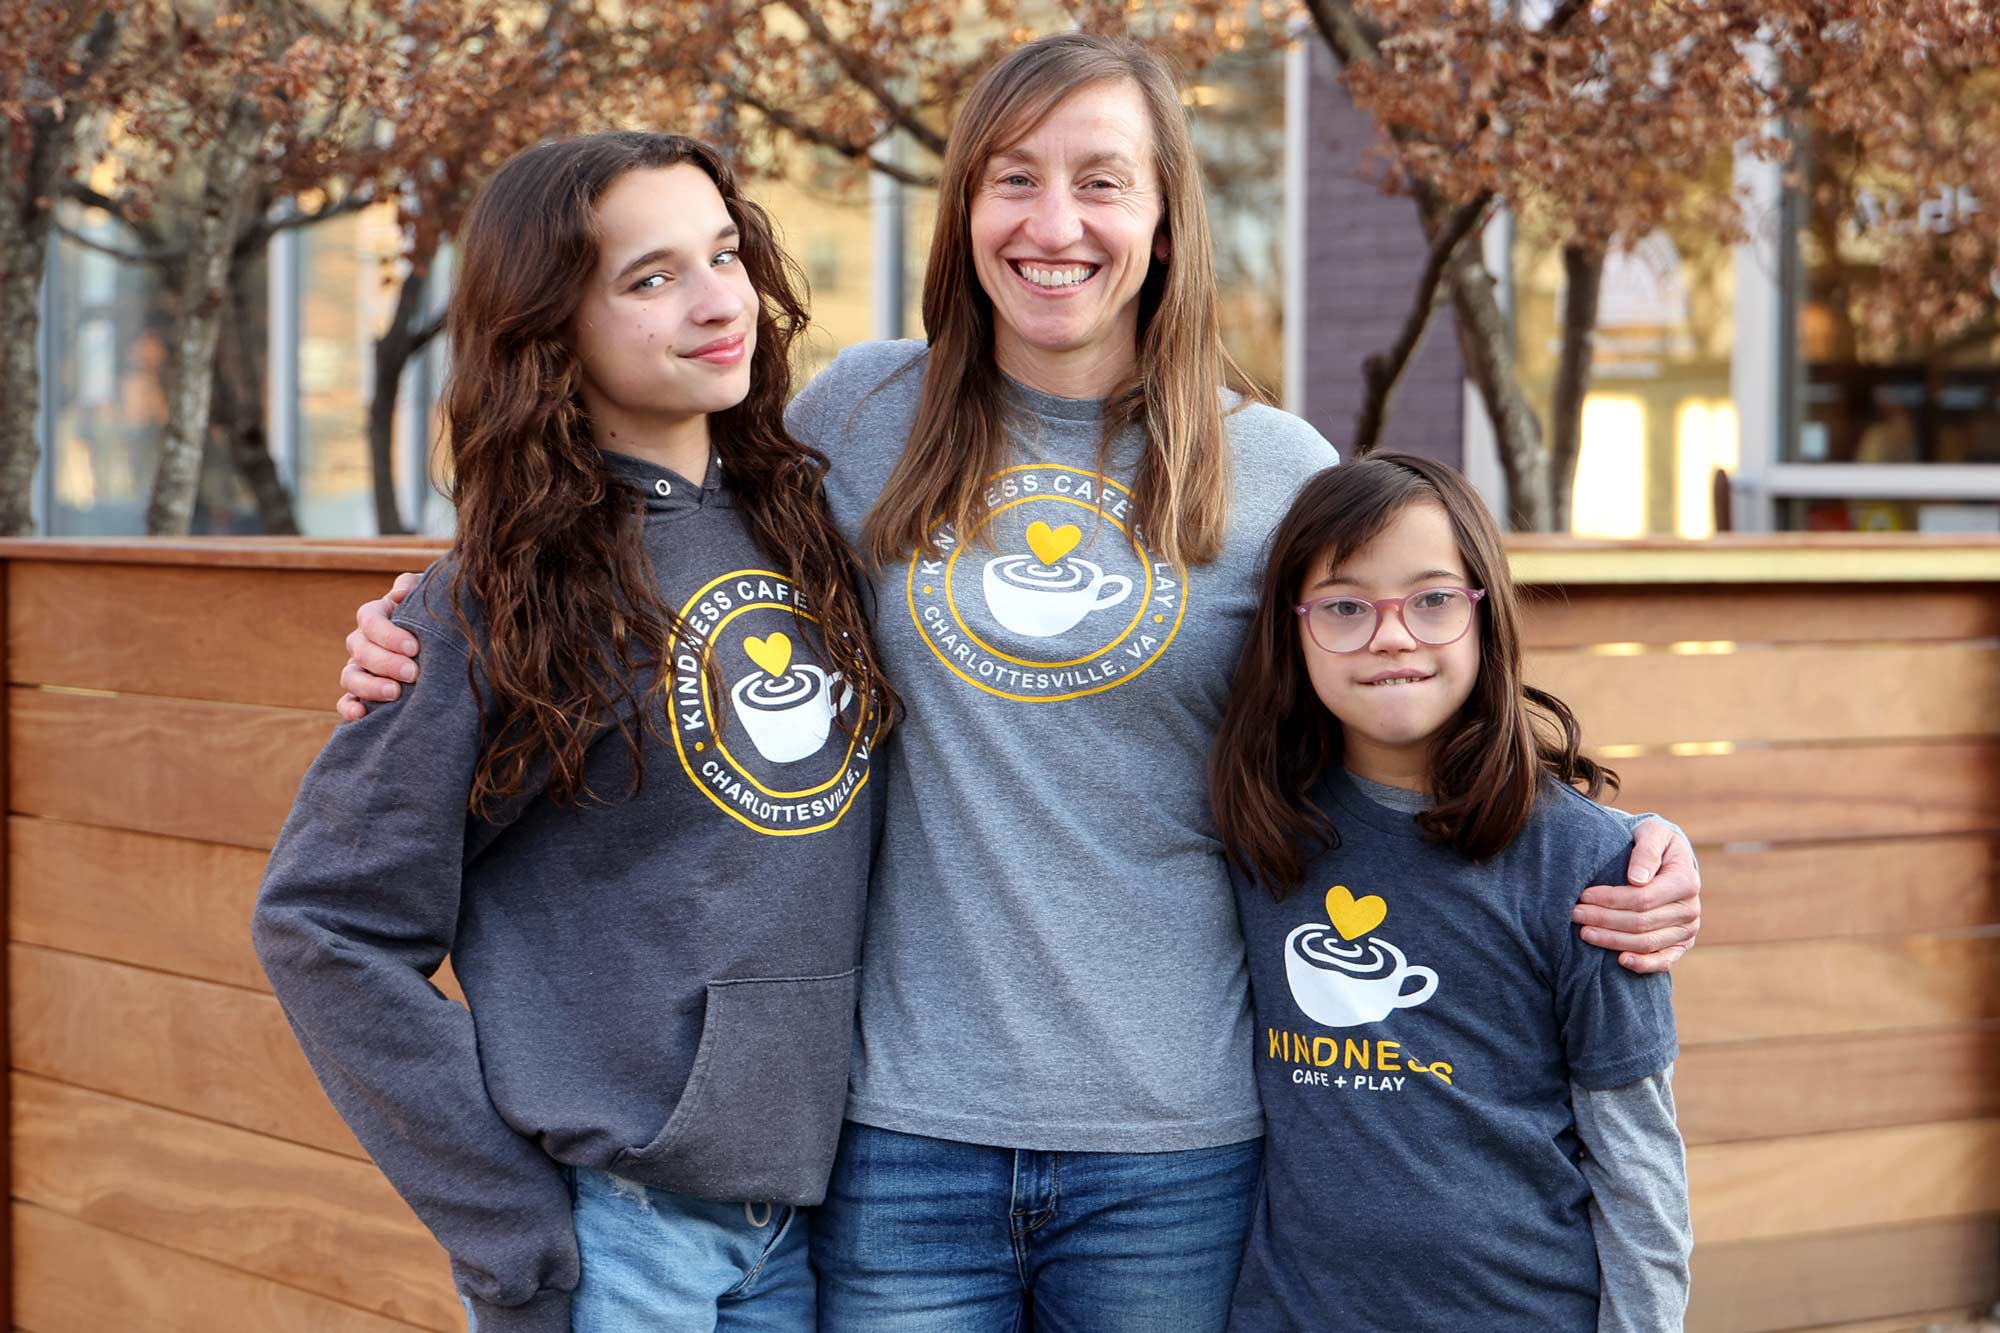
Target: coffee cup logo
[[1047, 591], [1342, 979], [787, 707]]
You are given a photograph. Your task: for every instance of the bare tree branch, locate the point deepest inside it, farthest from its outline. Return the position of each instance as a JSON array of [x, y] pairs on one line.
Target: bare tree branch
[[812, 134], [158, 257], [857, 68], [261, 231], [1383, 371], [122, 210]]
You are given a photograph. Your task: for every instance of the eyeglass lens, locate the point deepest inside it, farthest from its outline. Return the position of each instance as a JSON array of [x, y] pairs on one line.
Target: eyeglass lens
[[1434, 617]]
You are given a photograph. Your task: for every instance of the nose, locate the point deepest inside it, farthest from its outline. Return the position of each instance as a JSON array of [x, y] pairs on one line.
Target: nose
[[718, 300], [1391, 634], [1053, 221]]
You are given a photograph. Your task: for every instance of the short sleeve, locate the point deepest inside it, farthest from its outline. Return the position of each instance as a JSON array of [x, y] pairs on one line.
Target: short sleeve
[[1617, 1025], [805, 415]]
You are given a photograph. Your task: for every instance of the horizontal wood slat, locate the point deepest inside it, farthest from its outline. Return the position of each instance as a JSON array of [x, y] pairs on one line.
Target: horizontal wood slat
[[164, 903], [1759, 613], [215, 772], [1849, 888], [1811, 793], [70, 1277], [1741, 992], [73, 889], [1780, 1284], [234, 635], [212, 1051], [1815, 1085], [1795, 693], [309, 1219], [1818, 1183]]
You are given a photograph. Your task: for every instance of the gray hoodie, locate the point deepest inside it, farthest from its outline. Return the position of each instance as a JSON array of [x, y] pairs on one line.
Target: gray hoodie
[[661, 983]]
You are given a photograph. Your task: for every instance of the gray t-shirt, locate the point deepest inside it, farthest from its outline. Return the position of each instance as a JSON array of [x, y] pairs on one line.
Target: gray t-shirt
[[1421, 1022], [1052, 958]]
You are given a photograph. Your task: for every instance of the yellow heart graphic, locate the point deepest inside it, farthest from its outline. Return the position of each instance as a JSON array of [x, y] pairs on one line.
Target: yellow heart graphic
[[1351, 917], [772, 654], [1052, 544]]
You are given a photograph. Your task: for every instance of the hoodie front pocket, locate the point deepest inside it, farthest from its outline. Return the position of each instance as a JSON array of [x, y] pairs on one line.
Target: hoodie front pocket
[[760, 1115]]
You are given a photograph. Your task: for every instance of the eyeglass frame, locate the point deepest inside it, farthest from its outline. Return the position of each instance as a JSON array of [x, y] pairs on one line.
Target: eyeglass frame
[[1473, 595]]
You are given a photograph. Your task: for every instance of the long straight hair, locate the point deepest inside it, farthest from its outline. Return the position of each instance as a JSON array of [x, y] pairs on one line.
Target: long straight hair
[[549, 545], [1181, 492], [1486, 768]]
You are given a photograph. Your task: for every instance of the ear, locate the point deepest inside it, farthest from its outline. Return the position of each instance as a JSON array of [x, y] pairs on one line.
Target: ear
[[1161, 249]]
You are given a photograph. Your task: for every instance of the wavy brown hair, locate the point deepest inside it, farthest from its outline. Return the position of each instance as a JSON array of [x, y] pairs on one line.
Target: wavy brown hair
[[1181, 493], [1277, 739], [549, 548]]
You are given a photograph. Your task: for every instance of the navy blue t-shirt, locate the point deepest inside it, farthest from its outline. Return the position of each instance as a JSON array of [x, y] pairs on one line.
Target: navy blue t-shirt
[[1420, 1018]]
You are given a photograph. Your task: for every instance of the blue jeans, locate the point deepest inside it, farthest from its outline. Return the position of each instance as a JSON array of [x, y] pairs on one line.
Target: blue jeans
[[921, 1235], [654, 1260]]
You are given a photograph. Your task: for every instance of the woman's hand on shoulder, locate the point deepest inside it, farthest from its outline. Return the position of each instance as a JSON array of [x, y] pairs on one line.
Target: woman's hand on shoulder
[[379, 653], [1653, 919]]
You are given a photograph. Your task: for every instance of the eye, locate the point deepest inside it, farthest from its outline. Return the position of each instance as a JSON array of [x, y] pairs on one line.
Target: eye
[[1347, 608], [725, 257], [1437, 599], [1101, 184], [1014, 180], [646, 284]]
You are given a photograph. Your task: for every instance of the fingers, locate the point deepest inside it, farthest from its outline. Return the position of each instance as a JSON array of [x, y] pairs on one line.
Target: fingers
[[401, 588], [1632, 897], [1653, 962], [1682, 914], [1650, 842], [374, 630], [1640, 941], [362, 684], [350, 708]]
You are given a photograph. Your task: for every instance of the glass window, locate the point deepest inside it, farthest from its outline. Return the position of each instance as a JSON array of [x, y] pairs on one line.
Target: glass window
[[347, 296], [106, 383], [1874, 388], [1238, 106], [819, 201], [1659, 422]]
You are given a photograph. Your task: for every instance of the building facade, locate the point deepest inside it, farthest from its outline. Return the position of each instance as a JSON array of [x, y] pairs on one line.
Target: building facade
[[1733, 386]]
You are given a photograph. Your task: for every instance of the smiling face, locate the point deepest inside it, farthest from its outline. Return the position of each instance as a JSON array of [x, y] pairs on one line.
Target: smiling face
[[1065, 225], [1394, 697], [668, 321]]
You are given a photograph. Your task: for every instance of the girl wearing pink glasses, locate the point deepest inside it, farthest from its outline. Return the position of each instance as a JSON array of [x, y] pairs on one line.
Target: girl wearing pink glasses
[[1469, 1122]]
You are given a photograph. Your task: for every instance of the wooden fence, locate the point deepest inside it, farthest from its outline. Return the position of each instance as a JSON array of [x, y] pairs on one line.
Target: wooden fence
[[1822, 716]]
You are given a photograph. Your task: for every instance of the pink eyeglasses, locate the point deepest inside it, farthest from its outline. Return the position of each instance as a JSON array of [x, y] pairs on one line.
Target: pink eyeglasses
[[1434, 617]]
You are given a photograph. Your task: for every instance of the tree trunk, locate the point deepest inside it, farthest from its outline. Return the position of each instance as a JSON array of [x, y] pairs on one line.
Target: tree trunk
[[1583, 275], [32, 155], [204, 298], [393, 350], [239, 405], [24, 248], [1486, 346]]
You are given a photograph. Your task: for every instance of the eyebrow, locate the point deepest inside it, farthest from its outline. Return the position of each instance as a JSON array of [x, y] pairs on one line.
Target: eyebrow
[[1331, 579], [658, 253]]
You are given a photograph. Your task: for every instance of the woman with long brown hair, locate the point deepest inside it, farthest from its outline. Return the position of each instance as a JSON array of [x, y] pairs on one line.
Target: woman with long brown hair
[[635, 809], [1062, 501]]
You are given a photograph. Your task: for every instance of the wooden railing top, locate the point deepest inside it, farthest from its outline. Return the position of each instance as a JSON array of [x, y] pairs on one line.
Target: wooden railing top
[[1536, 559]]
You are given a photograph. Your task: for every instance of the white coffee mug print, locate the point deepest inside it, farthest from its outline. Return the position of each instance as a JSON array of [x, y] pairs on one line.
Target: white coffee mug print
[[1342, 980], [1047, 591], [787, 707]]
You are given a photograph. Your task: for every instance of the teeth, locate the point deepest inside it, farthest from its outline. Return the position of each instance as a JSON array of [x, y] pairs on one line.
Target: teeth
[[1055, 277], [1405, 680]]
